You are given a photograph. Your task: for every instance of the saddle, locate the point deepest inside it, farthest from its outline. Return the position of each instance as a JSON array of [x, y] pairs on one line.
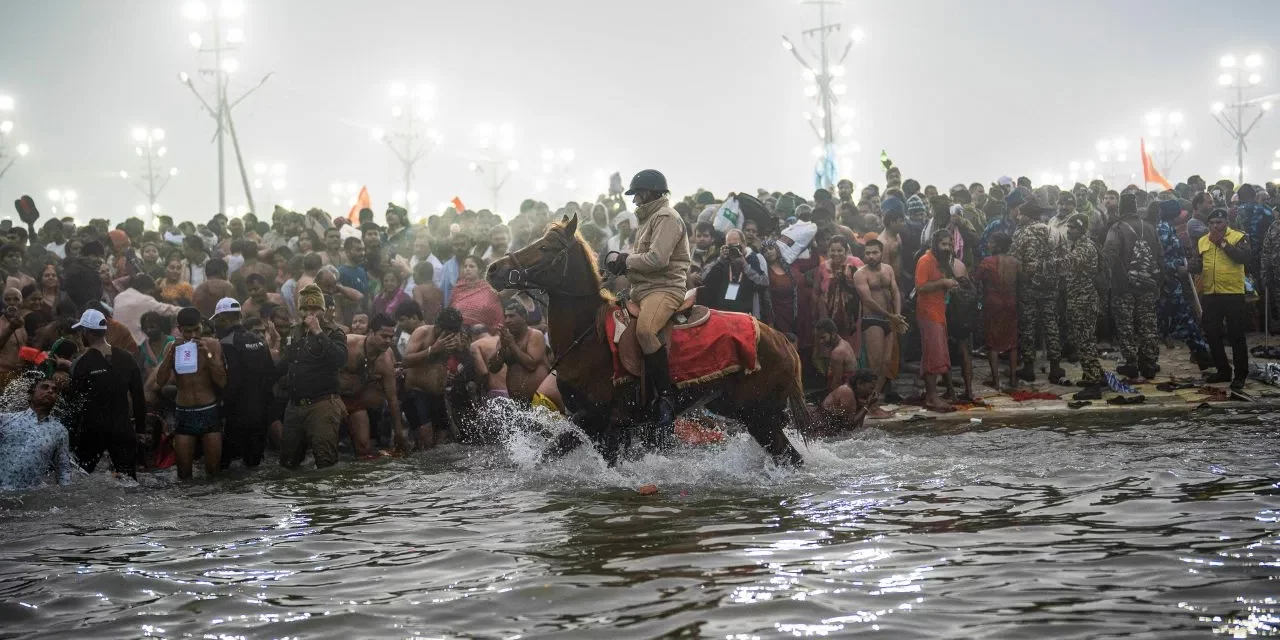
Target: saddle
[[687, 316]]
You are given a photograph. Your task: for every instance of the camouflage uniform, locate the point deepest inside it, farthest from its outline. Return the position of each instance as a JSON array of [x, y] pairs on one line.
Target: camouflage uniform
[[1135, 314], [1269, 263], [1037, 293], [1083, 305]]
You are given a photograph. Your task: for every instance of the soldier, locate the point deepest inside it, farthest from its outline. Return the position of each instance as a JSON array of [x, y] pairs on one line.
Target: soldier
[[311, 358], [1132, 256], [1037, 293], [1083, 270]]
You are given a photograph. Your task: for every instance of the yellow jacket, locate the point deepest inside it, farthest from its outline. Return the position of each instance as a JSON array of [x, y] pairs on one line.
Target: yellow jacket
[[1220, 274]]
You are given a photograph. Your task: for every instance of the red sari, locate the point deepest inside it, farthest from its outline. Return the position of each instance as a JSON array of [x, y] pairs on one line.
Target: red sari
[[999, 306], [478, 303]]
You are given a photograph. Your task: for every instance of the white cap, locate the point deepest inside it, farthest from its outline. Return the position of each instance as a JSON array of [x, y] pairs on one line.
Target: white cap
[[91, 319], [1004, 181], [226, 305]]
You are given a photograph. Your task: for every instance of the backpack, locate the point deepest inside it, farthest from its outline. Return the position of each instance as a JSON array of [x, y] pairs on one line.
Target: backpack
[[1141, 270]]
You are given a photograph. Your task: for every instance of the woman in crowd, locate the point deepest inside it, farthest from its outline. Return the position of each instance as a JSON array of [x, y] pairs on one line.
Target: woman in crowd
[[473, 296], [173, 289], [51, 289], [782, 289], [149, 256], [997, 281], [392, 293]]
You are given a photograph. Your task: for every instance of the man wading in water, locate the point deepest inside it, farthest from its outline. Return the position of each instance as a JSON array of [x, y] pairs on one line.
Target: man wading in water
[[197, 415], [368, 378], [432, 351]]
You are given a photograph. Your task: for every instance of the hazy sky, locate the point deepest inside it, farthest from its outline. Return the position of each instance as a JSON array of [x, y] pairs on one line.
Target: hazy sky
[[956, 90]]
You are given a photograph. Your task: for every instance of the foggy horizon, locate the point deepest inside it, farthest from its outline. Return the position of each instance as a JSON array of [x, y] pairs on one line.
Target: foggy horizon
[[954, 91]]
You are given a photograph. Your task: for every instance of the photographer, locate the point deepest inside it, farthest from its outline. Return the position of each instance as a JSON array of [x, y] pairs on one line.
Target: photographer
[[737, 280]]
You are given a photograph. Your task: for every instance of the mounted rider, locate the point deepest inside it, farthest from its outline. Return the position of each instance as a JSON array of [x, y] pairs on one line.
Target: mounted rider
[[657, 271]]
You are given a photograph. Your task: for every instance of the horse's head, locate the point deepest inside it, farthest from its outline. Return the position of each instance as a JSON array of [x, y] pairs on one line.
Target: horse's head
[[557, 263]]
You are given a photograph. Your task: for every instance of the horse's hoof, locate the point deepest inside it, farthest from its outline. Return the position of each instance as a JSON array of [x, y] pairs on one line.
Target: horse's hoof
[[791, 458]]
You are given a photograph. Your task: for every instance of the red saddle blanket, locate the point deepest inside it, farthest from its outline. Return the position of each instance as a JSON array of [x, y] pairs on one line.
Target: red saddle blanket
[[722, 344]]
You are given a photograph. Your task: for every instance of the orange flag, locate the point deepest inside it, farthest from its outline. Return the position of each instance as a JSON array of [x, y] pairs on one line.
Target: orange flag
[[362, 202], [457, 204], [1149, 172]]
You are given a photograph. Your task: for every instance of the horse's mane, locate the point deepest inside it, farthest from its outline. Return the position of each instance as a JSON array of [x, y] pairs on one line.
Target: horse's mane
[[593, 266]]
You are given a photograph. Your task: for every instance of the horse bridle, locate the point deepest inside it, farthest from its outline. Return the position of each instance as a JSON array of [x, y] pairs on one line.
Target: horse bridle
[[521, 277]]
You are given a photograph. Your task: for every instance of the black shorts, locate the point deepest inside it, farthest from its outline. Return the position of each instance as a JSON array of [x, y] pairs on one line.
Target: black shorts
[[882, 323]]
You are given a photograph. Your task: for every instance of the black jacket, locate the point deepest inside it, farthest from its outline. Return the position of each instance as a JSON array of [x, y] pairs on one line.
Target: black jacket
[[250, 374], [310, 363]]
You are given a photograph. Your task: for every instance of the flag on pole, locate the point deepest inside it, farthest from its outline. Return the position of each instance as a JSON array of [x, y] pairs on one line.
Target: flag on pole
[[457, 204], [362, 202], [1149, 172]]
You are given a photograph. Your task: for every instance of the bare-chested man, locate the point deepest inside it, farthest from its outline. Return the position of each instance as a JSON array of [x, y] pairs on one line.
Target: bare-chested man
[[845, 408], [258, 295], [877, 286], [367, 379], [891, 240], [524, 350], [197, 414], [486, 356], [12, 336], [833, 355], [431, 351]]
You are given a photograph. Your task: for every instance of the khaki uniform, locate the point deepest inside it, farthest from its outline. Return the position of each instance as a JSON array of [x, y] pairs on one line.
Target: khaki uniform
[[657, 270]]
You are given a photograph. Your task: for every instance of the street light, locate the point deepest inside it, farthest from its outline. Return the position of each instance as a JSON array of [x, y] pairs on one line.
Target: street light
[[410, 137], [833, 126], [271, 179], [556, 166], [1112, 154], [64, 200], [221, 37], [21, 149], [344, 194], [495, 163], [152, 178], [1231, 117], [1165, 141]]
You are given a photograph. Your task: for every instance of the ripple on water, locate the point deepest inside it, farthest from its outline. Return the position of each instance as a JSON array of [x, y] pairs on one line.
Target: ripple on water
[[1160, 528]]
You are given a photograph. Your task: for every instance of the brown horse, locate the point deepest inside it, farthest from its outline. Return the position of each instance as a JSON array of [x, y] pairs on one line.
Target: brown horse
[[562, 265]]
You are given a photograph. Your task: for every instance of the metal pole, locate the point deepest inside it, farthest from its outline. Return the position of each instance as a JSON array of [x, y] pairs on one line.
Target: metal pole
[[1239, 128], [151, 178], [828, 130], [244, 175], [222, 106]]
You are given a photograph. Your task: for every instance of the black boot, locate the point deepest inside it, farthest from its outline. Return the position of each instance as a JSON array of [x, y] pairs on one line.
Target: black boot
[[661, 398], [1027, 373], [1057, 375]]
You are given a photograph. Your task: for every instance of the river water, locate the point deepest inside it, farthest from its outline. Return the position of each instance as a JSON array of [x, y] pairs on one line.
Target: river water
[[1163, 528]]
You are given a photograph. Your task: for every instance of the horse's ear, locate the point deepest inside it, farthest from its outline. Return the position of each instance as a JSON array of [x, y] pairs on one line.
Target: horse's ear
[[572, 226], [564, 219]]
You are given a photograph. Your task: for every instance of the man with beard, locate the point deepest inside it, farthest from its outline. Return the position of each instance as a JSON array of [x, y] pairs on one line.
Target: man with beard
[[844, 189], [399, 239], [109, 386], [833, 355], [12, 258], [524, 350], [1037, 294], [312, 355], [882, 319], [1007, 223], [1107, 215], [978, 194], [1083, 275], [932, 285], [1198, 223], [246, 398], [198, 414], [1134, 288], [367, 379]]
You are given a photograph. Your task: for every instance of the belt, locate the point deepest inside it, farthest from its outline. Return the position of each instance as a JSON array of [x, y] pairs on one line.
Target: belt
[[302, 402]]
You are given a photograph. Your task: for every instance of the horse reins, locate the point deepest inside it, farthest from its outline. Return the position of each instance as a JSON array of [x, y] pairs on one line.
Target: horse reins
[[520, 277]]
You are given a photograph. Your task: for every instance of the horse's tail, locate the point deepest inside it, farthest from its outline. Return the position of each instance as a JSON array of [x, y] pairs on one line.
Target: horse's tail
[[800, 414]]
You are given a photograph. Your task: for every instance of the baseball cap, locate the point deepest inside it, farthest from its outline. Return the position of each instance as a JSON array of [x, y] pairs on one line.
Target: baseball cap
[[91, 319], [226, 305]]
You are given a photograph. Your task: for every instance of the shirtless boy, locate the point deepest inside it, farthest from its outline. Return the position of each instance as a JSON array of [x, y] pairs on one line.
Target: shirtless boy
[[197, 414], [833, 354]]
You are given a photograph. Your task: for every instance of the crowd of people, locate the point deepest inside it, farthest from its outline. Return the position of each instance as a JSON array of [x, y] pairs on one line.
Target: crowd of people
[[223, 340]]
